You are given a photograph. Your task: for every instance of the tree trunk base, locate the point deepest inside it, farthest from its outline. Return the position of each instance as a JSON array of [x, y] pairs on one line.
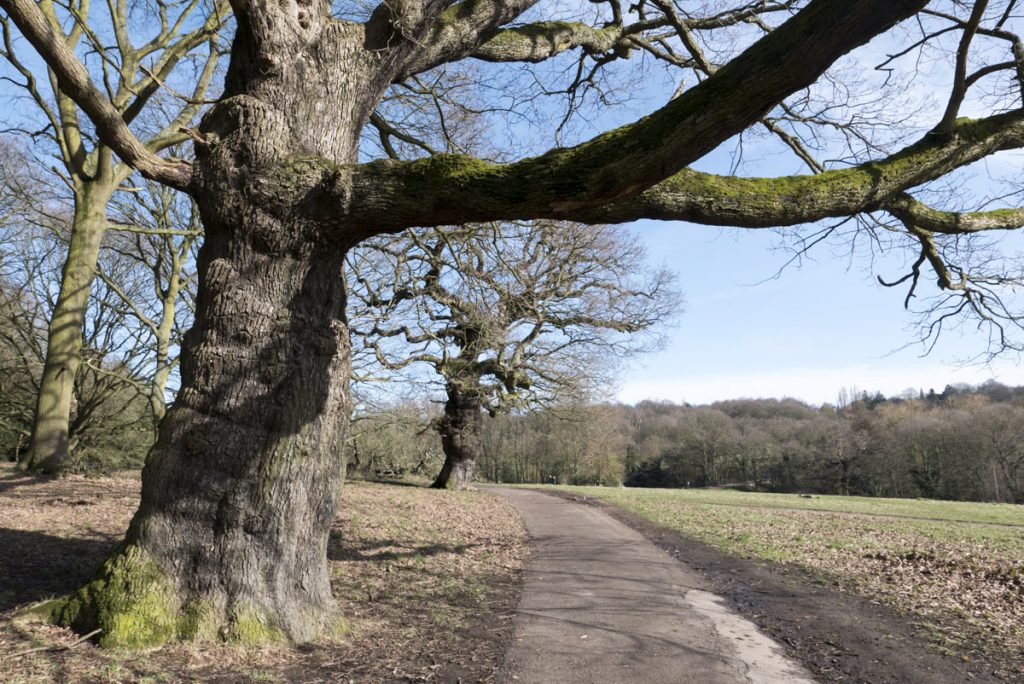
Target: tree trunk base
[[452, 486], [456, 475], [55, 462], [136, 605], [460, 429]]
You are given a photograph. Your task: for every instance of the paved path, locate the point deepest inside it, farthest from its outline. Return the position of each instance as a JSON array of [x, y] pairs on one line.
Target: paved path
[[603, 604]]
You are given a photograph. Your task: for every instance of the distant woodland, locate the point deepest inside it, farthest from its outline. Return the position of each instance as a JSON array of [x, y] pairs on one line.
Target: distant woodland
[[963, 443]]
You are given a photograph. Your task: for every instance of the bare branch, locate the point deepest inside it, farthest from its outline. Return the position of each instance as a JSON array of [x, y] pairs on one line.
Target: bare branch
[[74, 80], [960, 83], [565, 181]]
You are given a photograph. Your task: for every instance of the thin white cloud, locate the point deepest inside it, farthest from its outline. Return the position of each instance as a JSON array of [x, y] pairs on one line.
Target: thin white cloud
[[813, 385]]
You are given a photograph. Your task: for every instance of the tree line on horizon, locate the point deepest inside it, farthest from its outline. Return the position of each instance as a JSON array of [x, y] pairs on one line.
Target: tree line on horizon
[[964, 443]]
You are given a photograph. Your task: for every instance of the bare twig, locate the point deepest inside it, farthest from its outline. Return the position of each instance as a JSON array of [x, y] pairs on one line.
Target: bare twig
[[55, 649]]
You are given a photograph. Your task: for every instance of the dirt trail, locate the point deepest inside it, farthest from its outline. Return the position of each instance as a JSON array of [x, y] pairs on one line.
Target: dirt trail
[[603, 604]]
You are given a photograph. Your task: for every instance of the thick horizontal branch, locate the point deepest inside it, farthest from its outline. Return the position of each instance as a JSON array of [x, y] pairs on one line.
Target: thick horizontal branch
[[458, 31], [913, 212], [543, 40], [74, 81], [768, 202], [626, 161], [474, 29], [790, 200], [763, 202]]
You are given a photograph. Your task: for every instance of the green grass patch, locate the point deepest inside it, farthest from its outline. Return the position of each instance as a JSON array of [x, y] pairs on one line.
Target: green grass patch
[[925, 509]]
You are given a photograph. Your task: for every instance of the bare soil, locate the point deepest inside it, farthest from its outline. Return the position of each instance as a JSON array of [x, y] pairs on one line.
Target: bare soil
[[839, 637], [428, 581]]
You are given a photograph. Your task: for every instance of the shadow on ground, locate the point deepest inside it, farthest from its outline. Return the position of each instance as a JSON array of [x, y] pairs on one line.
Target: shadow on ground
[[36, 566], [13, 478], [339, 550]]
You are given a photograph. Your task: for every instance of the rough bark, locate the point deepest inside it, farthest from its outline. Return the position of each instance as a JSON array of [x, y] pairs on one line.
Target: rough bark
[[461, 430], [239, 492], [49, 448]]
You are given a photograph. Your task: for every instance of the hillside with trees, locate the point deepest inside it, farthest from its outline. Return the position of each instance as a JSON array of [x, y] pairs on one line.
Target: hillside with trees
[[964, 443]]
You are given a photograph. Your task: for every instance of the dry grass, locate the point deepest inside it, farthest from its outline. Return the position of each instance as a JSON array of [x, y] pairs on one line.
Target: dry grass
[[956, 570], [427, 580]]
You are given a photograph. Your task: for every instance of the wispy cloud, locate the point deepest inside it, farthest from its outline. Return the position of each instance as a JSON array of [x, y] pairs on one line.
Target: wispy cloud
[[814, 385]]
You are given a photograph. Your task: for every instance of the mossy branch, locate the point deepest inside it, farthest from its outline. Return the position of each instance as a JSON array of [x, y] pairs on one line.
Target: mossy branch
[[454, 189], [911, 211], [625, 161], [542, 40]]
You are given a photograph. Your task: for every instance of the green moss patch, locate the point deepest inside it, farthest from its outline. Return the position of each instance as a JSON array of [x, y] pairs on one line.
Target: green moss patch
[[132, 601], [200, 620], [251, 626]]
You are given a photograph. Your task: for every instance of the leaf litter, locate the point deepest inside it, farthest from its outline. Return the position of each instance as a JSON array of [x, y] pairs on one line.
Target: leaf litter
[[427, 580]]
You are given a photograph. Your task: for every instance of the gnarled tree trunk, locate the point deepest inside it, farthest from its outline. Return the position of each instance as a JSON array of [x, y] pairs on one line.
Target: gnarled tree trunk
[[239, 493], [460, 429]]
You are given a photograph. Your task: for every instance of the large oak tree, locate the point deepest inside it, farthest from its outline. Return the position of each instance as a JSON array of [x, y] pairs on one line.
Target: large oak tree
[[238, 494], [507, 315]]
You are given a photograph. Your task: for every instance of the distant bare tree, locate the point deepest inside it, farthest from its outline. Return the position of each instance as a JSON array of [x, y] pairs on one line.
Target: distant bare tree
[[132, 320], [506, 315], [104, 409], [152, 272]]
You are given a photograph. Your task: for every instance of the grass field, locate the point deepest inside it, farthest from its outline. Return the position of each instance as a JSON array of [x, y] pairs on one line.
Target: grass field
[[955, 569]]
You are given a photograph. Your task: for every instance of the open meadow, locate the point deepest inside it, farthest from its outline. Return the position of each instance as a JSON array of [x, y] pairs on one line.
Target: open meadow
[[955, 569], [426, 580]]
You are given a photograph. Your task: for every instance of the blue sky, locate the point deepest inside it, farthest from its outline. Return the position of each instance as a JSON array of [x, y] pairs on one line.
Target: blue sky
[[816, 329], [827, 324]]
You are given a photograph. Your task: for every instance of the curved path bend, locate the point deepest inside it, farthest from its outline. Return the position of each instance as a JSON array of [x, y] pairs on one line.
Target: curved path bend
[[601, 604]]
